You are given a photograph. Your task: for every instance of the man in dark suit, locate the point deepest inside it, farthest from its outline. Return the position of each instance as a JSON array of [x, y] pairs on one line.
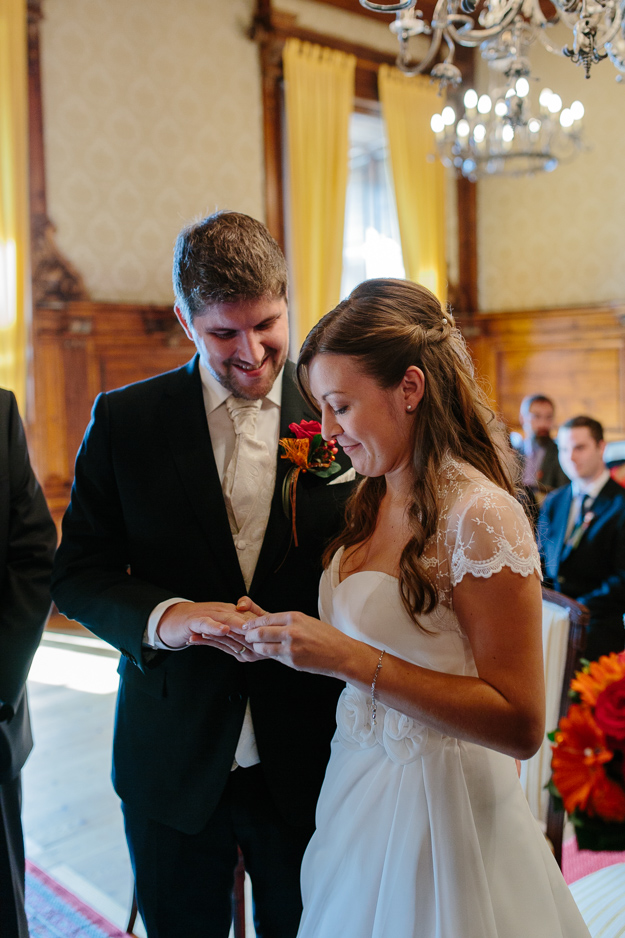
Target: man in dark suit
[[537, 451], [27, 542], [581, 532], [177, 511]]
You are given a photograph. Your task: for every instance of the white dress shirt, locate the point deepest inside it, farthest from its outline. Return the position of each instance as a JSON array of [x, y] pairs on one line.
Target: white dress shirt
[[581, 489], [223, 437]]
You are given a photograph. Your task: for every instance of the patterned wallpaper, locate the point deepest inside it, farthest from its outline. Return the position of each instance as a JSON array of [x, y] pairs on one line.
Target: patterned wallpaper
[[147, 125], [558, 239]]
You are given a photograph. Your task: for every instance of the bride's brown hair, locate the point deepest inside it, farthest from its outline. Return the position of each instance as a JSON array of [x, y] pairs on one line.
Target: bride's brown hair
[[388, 325]]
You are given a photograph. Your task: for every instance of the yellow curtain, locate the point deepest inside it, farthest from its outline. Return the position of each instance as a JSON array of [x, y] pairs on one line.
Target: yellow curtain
[[14, 221], [408, 104], [319, 92]]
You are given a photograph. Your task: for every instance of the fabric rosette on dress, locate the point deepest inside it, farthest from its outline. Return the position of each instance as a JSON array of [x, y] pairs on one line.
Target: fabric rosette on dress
[[404, 740]]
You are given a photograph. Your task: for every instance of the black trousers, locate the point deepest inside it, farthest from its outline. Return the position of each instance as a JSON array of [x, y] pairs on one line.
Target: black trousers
[[184, 881], [13, 922]]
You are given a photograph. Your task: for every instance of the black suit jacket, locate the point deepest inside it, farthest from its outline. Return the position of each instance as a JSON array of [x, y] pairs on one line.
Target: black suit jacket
[[594, 572], [147, 522], [551, 474], [27, 542]]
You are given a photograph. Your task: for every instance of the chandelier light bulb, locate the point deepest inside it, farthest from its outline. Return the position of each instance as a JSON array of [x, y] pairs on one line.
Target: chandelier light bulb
[[470, 99], [437, 123], [511, 135], [479, 133], [555, 103]]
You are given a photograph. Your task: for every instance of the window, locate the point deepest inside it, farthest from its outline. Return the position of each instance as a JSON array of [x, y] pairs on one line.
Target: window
[[371, 245]]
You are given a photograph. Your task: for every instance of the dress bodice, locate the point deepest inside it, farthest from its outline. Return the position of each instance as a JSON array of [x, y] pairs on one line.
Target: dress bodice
[[481, 530]]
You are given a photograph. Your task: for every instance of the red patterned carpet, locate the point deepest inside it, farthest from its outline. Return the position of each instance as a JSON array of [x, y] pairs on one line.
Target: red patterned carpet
[[55, 912], [577, 863]]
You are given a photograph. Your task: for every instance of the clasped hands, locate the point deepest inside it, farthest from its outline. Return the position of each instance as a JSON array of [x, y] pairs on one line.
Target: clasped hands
[[249, 633]]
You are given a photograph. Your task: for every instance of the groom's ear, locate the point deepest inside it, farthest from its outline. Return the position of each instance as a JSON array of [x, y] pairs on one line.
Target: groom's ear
[[180, 316]]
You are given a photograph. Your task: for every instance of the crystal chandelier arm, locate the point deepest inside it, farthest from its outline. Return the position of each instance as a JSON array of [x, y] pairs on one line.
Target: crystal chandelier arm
[[549, 46], [387, 7], [404, 62], [474, 37]]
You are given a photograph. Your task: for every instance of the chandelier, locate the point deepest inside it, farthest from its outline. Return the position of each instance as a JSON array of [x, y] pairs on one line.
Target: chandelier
[[503, 132], [502, 135], [598, 28]]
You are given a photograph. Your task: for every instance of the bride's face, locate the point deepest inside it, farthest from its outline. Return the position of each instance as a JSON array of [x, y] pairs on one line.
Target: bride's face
[[372, 424]]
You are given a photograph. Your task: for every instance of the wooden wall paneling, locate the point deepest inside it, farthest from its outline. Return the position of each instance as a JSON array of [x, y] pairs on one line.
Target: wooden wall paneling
[[81, 348], [575, 356]]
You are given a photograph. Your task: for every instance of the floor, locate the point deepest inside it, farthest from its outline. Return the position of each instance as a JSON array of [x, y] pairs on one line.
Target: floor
[[72, 821]]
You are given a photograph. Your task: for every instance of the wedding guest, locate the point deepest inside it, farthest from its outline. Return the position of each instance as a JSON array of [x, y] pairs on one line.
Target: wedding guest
[[176, 511], [536, 449], [581, 532], [430, 608], [27, 542]]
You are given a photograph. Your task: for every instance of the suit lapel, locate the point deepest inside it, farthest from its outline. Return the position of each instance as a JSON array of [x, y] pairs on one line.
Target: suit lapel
[[186, 429], [601, 504], [561, 521]]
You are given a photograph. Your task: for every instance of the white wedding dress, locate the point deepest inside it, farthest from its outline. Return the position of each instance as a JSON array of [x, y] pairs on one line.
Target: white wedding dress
[[421, 835]]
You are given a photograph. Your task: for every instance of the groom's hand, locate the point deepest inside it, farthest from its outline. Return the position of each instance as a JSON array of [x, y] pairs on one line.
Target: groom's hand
[[209, 623]]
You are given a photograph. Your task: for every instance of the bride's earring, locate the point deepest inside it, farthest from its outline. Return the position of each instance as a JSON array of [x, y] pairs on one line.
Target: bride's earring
[[409, 407]]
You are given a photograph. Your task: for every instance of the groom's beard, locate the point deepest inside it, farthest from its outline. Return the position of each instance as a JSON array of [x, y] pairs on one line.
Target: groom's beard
[[255, 388]]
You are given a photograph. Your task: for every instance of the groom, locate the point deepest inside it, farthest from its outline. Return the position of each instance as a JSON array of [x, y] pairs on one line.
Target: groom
[[177, 512]]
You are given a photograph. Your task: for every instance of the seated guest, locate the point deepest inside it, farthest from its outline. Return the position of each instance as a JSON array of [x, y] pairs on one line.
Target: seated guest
[[581, 531], [537, 451]]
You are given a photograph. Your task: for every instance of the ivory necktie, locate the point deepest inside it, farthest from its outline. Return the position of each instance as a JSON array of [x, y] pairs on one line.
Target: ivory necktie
[[250, 463]]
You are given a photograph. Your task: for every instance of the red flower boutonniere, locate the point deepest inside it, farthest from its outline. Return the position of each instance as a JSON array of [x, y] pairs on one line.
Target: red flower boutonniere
[[308, 452], [580, 530]]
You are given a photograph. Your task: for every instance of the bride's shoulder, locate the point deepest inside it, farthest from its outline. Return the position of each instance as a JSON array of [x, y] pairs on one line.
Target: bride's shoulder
[[465, 491]]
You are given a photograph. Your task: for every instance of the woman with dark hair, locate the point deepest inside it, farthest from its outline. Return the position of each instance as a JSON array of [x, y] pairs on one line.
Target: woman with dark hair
[[431, 612]]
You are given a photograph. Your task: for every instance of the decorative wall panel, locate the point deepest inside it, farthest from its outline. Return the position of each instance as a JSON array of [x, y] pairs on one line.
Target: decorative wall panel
[[152, 118]]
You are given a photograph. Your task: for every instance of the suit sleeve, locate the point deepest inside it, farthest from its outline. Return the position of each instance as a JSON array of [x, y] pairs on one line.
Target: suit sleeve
[[30, 541], [610, 594], [91, 581]]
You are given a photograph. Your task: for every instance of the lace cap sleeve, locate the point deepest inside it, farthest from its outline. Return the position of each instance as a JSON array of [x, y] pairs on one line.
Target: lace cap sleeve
[[489, 531]]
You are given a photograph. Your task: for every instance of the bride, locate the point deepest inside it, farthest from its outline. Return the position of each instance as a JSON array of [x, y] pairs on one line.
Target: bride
[[430, 608]]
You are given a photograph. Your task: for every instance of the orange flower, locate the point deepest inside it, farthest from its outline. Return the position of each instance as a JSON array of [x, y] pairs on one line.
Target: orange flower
[[590, 682], [297, 451], [608, 800], [578, 759]]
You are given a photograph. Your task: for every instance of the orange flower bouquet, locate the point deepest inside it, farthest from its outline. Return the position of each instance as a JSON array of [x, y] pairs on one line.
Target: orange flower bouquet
[[308, 452], [588, 761]]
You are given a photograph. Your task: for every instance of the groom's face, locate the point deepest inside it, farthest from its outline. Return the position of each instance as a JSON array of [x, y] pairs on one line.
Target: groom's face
[[244, 344]]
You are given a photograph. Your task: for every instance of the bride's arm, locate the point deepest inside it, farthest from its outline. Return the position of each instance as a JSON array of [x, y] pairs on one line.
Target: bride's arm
[[502, 708]]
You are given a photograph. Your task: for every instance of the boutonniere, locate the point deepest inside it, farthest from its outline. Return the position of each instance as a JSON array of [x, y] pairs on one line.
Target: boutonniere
[[580, 530], [308, 452]]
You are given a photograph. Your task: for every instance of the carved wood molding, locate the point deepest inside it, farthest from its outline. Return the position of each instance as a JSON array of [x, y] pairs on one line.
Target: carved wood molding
[[54, 278]]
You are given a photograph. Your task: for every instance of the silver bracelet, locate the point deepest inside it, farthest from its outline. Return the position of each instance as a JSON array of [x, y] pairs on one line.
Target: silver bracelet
[[374, 706]]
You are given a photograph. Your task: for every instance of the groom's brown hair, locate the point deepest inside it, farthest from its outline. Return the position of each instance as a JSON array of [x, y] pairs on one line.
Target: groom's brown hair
[[224, 258]]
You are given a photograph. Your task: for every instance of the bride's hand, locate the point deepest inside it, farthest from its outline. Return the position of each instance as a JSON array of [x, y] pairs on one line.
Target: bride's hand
[[299, 641]]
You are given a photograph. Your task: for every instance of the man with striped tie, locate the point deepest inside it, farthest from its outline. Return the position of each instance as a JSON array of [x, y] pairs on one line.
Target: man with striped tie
[[581, 531]]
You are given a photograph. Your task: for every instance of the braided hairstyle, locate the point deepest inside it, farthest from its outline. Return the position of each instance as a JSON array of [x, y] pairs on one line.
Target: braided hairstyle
[[388, 325]]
